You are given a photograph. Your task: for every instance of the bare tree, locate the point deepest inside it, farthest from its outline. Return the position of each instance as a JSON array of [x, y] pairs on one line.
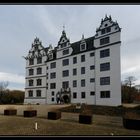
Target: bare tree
[[3, 86], [130, 81]]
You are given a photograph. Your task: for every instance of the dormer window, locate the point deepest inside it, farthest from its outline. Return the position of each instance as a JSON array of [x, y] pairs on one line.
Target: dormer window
[[65, 52], [105, 25], [82, 46], [51, 56]]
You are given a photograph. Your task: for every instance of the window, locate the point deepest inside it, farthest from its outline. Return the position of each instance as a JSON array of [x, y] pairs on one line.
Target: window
[[105, 66], [92, 93], [39, 60], [31, 71], [83, 94], [65, 73], [92, 54], [52, 99], [39, 82], [74, 71], [53, 65], [39, 70], [103, 31], [52, 93], [51, 56], [31, 61], [82, 70], [74, 95], [82, 47], [65, 51], [106, 30], [104, 41], [74, 60], [92, 67], [74, 83], [92, 80], [31, 82], [47, 75], [105, 81], [105, 94], [30, 93], [64, 45], [47, 68], [38, 93], [83, 83], [104, 53], [52, 85], [65, 84], [82, 58], [52, 75], [65, 62]]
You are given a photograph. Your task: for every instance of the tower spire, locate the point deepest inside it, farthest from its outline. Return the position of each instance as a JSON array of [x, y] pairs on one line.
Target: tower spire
[[63, 32]]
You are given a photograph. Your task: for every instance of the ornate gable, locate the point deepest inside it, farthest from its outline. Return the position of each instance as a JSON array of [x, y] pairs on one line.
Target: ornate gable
[[37, 50], [107, 24], [64, 41]]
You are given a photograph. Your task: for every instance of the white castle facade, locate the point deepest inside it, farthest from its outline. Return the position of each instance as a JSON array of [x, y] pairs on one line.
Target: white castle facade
[[86, 71]]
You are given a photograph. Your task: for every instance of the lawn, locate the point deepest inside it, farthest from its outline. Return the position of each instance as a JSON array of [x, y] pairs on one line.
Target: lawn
[[68, 124]]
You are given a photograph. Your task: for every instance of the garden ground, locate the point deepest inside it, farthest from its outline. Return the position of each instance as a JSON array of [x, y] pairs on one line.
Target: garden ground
[[68, 124]]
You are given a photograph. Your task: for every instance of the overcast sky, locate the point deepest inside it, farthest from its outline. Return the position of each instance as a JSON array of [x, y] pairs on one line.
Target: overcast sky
[[20, 24]]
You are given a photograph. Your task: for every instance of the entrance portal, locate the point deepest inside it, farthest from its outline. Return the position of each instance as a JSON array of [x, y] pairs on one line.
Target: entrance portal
[[66, 99]]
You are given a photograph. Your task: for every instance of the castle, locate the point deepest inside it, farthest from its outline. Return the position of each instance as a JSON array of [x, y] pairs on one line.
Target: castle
[[86, 71]]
